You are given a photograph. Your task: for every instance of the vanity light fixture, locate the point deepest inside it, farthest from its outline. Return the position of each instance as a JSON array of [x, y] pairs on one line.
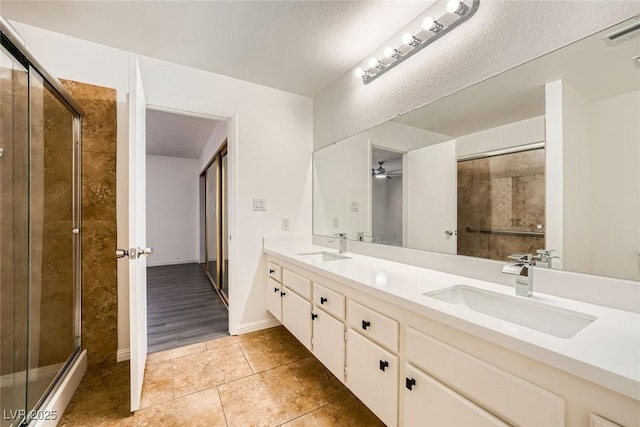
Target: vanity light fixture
[[458, 12]]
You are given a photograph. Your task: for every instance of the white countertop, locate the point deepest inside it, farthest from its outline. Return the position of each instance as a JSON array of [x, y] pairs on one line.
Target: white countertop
[[607, 352]]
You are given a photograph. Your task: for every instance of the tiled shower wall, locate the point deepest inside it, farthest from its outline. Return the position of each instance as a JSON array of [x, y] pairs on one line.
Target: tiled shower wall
[[99, 282], [505, 193]]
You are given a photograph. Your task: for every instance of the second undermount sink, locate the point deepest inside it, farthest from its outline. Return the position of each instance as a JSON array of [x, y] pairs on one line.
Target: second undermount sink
[[323, 256], [559, 322]]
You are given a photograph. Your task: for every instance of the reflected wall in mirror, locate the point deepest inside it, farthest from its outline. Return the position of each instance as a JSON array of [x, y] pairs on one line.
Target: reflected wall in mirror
[[546, 155]]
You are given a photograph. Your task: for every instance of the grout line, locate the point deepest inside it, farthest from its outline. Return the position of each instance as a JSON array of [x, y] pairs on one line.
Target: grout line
[[226, 421], [245, 358], [306, 413]]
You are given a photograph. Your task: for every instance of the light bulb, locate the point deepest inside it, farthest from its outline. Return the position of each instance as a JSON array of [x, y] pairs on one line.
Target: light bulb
[[389, 52], [407, 38], [359, 72], [373, 62], [428, 23], [453, 5]]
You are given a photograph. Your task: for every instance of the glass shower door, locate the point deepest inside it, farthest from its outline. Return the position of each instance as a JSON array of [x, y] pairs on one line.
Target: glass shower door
[[14, 237]]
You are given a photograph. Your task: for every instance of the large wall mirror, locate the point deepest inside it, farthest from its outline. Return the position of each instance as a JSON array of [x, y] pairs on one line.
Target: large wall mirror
[[543, 156]]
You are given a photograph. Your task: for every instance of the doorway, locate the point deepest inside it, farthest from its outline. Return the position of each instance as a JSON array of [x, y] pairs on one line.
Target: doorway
[[214, 199], [182, 306]]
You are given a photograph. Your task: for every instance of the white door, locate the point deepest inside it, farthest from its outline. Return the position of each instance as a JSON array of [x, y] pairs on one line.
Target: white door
[[432, 204], [328, 342], [137, 235], [425, 398], [296, 316]]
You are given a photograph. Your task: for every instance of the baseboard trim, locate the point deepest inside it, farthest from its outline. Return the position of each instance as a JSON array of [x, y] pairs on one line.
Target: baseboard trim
[[245, 328], [174, 262], [123, 354]]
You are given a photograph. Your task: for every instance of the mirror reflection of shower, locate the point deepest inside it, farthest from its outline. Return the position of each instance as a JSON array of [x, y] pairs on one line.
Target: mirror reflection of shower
[[386, 196]]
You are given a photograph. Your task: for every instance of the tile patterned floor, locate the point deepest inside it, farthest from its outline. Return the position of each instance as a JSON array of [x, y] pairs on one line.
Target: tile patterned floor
[[264, 378]]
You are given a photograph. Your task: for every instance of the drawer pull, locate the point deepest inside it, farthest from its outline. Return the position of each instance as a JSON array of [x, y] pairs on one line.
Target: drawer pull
[[271, 271], [383, 365], [276, 290], [282, 294], [365, 324], [409, 383], [314, 316], [323, 300]]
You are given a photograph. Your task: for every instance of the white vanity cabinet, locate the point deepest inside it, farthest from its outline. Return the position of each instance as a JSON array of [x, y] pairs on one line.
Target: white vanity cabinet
[[296, 306], [274, 288], [329, 329], [372, 375], [429, 402]]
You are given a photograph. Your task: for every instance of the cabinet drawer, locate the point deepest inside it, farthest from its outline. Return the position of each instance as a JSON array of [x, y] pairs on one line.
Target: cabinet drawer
[[374, 325], [426, 398], [274, 271], [297, 283], [372, 375], [512, 398], [330, 301]]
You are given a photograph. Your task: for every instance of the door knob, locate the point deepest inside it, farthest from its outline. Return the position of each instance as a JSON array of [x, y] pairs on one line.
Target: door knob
[[145, 252], [121, 253]]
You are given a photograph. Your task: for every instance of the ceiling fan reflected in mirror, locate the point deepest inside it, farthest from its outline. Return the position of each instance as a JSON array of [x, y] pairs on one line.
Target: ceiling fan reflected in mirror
[[380, 172]]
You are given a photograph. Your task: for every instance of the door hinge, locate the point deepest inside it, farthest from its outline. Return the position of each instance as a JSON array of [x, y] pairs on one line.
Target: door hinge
[[345, 373], [345, 335]]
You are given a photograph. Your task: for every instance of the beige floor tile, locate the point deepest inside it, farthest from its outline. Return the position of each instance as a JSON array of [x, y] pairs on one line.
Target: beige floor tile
[[321, 385], [222, 342], [269, 398], [333, 414], [202, 409], [176, 352], [157, 386], [208, 369], [271, 348]]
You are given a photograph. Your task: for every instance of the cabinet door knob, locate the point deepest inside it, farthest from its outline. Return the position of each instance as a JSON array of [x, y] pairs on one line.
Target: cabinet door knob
[[314, 316], [365, 324], [276, 290], [323, 300], [271, 271], [409, 383], [282, 294], [383, 365]]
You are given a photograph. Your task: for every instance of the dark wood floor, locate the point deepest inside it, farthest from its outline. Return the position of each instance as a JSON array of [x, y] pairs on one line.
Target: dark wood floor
[[182, 307]]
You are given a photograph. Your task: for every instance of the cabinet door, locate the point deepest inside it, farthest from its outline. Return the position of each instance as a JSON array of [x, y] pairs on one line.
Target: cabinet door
[[296, 316], [328, 342], [274, 302], [426, 399], [372, 375]]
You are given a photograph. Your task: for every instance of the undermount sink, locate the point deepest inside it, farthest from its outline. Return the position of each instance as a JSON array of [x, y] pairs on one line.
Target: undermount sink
[[323, 256], [559, 322]]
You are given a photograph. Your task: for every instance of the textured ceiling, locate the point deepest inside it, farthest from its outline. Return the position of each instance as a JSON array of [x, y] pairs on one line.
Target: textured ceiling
[[176, 135], [297, 46]]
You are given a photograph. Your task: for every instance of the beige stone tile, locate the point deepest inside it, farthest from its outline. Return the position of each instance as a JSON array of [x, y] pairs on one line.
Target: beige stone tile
[[222, 342], [271, 348], [208, 369], [269, 398], [348, 414], [198, 409], [320, 384], [157, 386], [175, 353]]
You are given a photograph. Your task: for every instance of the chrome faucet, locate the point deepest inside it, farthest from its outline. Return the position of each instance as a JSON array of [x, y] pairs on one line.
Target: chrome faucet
[[521, 268], [342, 243]]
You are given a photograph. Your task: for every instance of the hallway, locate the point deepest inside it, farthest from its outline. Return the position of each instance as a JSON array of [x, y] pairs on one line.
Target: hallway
[[182, 308]]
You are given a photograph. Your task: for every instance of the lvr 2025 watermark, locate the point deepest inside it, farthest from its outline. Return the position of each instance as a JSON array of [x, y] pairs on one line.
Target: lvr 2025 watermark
[[20, 414]]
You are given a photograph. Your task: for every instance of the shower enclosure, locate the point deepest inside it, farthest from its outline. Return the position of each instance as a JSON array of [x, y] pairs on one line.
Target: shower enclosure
[[39, 233]]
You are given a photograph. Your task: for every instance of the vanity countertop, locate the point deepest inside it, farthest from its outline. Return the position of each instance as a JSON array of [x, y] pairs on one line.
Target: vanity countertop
[[607, 352]]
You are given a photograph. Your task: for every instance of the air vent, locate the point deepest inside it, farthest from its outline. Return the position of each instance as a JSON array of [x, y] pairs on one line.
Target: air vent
[[622, 34]]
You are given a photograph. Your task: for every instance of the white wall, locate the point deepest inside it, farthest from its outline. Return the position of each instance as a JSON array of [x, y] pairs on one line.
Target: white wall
[[501, 35], [510, 135], [172, 210], [270, 153], [219, 134]]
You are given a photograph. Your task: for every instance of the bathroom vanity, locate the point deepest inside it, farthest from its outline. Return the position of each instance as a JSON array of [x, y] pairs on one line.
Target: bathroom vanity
[[418, 345]]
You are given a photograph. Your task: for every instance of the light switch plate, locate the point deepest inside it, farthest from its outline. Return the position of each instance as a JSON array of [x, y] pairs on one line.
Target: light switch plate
[[335, 222], [259, 205], [355, 206]]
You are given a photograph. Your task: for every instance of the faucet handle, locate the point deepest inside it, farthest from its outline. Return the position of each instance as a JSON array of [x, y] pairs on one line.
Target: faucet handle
[[520, 257]]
